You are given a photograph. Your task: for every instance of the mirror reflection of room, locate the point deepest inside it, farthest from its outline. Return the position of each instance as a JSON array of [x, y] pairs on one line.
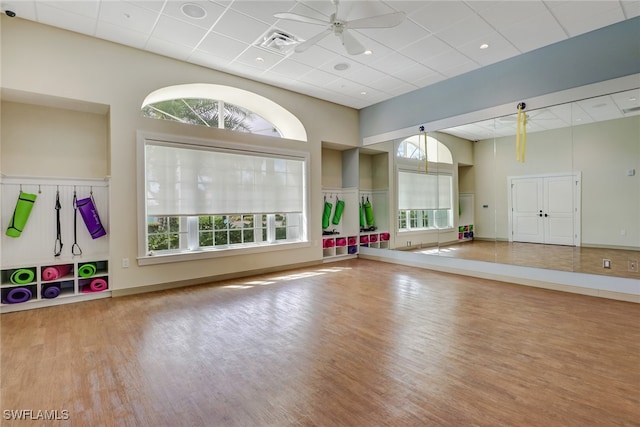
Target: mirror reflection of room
[[553, 188]]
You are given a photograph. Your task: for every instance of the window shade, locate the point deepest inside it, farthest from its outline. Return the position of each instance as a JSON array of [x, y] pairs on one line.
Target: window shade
[[198, 181], [424, 191]]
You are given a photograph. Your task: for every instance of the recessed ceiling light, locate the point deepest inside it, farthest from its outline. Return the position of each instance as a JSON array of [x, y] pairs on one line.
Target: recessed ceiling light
[[633, 98], [193, 11], [578, 119], [484, 46], [368, 52], [341, 66], [363, 93], [600, 105], [260, 59]]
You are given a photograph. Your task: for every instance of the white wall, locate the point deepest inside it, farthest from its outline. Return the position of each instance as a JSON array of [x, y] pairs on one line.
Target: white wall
[[47, 62], [53, 142], [603, 152]]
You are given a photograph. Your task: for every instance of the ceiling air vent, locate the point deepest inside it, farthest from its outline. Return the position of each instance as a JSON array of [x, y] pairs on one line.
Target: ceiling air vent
[[631, 110], [279, 41]]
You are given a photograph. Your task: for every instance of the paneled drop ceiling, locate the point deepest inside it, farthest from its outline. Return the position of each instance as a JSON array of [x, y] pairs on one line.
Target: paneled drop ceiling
[[436, 41]]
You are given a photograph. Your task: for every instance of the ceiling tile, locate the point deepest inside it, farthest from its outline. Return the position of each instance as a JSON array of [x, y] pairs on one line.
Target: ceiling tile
[[366, 75], [593, 14], [425, 49], [178, 32], [213, 12], [498, 50], [392, 85], [121, 35], [506, 13], [262, 10], [154, 5], [315, 56], [167, 48], [71, 21], [631, 8], [290, 69], [417, 72], [87, 8], [438, 15], [471, 28], [222, 46], [540, 30], [318, 78], [240, 27], [127, 15], [394, 62], [449, 60], [396, 37], [266, 61]]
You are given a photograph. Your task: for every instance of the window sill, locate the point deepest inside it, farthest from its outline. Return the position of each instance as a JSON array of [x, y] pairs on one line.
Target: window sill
[[212, 253], [426, 230]]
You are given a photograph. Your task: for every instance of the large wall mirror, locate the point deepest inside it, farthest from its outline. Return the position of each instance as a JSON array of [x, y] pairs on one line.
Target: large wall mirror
[[555, 188]]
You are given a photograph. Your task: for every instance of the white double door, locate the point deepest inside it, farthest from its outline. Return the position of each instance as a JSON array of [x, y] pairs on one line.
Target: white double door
[[545, 209]]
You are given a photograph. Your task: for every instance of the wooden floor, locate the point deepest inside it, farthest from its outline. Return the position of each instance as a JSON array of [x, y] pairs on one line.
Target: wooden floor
[[553, 257], [351, 343]]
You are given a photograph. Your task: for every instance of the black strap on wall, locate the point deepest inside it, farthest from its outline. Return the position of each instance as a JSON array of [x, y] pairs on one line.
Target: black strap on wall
[[58, 245], [75, 249]]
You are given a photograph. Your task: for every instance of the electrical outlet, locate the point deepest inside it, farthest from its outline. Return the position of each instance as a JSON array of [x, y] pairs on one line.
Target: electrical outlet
[[633, 265], [125, 262], [606, 263]]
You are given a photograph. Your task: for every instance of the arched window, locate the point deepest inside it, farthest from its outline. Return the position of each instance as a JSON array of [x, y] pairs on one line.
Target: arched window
[[211, 113], [209, 197], [414, 148], [425, 192], [224, 107]]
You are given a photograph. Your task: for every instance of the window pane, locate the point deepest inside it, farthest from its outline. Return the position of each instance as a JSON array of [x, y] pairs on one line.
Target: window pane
[[247, 236], [220, 222], [205, 239], [235, 236], [221, 238], [203, 112]]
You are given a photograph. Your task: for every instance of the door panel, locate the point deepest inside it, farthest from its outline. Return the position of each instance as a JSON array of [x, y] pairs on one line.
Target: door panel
[[544, 209], [559, 207], [526, 196]]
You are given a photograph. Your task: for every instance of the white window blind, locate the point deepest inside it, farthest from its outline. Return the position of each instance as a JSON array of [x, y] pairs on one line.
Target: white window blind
[[424, 191], [193, 180]]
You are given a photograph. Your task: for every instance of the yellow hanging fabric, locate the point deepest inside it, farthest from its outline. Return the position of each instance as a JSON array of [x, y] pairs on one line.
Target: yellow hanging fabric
[[426, 158], [521, 134]]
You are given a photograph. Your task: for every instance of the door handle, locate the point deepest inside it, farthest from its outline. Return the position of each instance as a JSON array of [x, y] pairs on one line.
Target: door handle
[[540, 214]]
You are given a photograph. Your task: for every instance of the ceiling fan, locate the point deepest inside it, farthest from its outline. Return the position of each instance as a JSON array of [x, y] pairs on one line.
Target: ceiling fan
[[341, 28]]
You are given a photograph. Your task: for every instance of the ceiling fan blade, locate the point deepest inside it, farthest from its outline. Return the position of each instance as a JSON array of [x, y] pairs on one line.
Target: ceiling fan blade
[[300, 18], [353, 46], [380, 21], [313, 40]]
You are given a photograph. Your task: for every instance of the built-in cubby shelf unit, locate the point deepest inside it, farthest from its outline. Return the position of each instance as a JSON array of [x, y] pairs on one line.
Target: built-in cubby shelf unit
[[341, 240], [466, 217], [31, 274]]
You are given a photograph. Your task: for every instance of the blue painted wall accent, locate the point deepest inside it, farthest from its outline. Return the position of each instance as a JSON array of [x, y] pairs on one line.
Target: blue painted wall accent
[[597, 56]]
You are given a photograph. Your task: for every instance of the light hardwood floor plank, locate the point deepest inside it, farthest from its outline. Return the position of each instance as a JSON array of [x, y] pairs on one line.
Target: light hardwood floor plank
[[351, 343]]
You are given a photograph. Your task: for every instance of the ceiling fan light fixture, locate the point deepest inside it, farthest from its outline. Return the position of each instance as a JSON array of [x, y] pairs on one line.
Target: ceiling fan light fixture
[[342, 27]]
